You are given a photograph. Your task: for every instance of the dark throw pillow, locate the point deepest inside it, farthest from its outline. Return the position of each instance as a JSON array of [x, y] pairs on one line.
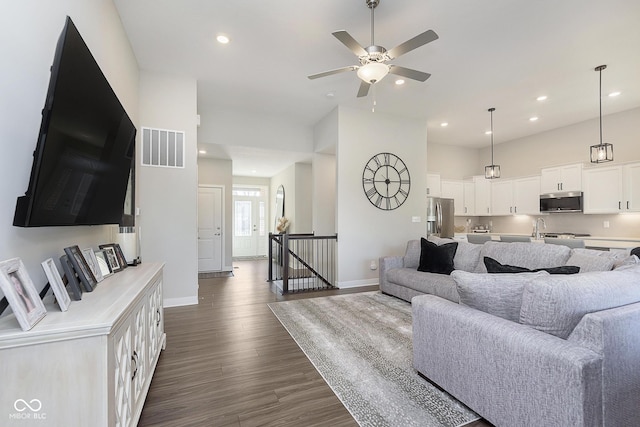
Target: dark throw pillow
[[437, 259], [494, 266]]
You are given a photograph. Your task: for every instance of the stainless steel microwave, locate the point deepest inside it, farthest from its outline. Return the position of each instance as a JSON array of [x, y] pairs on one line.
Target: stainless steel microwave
[[561, 202]]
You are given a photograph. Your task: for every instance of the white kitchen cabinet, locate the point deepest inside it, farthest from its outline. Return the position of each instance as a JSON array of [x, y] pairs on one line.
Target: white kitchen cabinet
[[91, 365], [502, 197], [469, 197], [482, 188], [526, 196], [561, 178], [631, 188], [602, 190], [452, 189], [612, 189], [433, 185]]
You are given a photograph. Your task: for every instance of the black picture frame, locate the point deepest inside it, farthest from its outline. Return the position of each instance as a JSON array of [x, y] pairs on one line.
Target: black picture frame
[[119, 254], [88, 280], [112, 258], [70, 278]]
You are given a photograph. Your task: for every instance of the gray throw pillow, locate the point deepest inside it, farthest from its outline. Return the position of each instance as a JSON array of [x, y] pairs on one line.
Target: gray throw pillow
[[590, 263], [496, 294], [556, 304]]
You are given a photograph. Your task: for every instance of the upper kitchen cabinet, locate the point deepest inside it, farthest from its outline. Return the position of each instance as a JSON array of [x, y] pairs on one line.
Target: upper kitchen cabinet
[[515, 196], [469, 197], [612, 189], [433, 185], [602, 190], [561, 178], [482, 188], [452, 189]]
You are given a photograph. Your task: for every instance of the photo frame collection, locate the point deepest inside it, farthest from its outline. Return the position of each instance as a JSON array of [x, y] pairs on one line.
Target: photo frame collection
[[82, 271]]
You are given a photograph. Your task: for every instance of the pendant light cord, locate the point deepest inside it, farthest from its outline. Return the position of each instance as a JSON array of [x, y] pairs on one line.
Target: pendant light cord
[[600, 69], [491, 110]]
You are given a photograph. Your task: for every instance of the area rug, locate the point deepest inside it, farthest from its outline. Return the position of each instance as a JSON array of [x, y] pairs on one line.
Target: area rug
[[361, 345]]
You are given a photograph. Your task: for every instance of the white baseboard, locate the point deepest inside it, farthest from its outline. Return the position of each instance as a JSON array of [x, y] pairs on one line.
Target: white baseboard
[[177, 302], [357, 283]]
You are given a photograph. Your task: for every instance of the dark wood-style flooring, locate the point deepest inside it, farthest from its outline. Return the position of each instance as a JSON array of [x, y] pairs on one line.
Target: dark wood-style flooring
[[229, 362]]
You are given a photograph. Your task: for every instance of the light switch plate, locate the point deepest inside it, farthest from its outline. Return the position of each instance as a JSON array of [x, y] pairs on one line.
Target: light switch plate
[[416, 219]]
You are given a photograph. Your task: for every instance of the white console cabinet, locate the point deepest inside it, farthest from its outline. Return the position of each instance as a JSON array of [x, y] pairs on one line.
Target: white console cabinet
[[91, 365]]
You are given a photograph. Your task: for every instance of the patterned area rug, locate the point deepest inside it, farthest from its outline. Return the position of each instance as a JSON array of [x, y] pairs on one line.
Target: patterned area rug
[[361, 345]]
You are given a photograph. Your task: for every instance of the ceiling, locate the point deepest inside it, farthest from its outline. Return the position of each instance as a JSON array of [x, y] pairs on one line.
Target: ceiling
[[492, 53]]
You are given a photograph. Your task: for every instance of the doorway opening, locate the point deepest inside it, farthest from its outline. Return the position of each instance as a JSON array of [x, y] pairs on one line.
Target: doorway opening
[[250, 229]]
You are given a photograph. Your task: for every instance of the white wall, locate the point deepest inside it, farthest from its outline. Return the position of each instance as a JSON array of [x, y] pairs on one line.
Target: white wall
[[324, 194], [453, 162], [304, 202], [569, 144], [218, 172], [365, 232], [247, 129], [168, 196], [29, 32]]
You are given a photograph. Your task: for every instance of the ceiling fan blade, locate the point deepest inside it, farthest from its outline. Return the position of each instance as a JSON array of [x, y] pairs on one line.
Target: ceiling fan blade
[[364, 89], [409, 73], [331, 72], [414, 43], [350, 42]]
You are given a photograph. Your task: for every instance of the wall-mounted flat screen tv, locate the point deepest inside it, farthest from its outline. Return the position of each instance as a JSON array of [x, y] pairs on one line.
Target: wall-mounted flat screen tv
[[83, 166]]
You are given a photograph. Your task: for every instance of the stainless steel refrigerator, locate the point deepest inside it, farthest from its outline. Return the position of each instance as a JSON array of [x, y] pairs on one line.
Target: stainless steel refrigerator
[[440, 217]]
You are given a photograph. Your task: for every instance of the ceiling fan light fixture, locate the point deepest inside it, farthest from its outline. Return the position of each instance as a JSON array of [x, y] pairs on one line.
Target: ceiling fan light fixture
[[373, 72]]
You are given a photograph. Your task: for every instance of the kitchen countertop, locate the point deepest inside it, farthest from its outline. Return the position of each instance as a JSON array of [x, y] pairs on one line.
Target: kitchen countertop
[[590, 241]]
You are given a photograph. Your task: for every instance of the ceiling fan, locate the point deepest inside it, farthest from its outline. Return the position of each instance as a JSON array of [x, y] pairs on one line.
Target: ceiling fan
[[373, 66]]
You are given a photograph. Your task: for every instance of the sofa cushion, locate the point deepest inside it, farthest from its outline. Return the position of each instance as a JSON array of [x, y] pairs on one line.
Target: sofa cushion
[[590, 262], [496, 294], [628, 262], [522, 254], [555, 304], [437, 258], [467, 255], [494, 266], [441, 285], [412, 254]]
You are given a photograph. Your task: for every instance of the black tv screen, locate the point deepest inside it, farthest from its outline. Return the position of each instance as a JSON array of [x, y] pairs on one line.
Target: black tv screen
[[83, 166]]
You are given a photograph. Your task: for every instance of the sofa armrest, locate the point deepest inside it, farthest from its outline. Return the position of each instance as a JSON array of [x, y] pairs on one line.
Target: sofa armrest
[[509, 373], [613, 333], [385, 264]]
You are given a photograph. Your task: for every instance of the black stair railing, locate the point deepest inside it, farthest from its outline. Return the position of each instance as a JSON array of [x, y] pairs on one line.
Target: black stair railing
[[302, 262]]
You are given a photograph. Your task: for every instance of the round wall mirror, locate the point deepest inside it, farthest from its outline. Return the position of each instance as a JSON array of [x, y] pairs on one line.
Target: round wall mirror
[[279, 205]]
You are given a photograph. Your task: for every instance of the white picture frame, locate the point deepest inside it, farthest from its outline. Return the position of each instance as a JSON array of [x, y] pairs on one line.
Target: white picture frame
[[103, 263], [112, 259], [90, 256], [17, 287], [56, 283]]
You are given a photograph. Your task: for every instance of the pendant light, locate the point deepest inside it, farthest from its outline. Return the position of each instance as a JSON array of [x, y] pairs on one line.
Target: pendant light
[[602, 152], [492, 171]]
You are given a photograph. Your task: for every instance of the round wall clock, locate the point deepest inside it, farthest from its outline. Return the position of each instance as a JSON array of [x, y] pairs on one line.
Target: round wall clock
[[386, 181]]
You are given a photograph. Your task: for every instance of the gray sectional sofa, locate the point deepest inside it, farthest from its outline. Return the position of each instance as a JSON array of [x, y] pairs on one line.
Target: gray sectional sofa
[[528, 349]]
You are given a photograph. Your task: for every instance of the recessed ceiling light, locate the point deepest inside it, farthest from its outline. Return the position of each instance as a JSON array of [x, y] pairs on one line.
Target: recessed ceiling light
[[541, 98], [399, 82], [444, 124], [330, 94], [488, 132], [202, 151], [612, 94], [222, 39], [533, 119], [254, 171]]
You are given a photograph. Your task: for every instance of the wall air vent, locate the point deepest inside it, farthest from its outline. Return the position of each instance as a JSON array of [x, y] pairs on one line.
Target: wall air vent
[[162, 148]]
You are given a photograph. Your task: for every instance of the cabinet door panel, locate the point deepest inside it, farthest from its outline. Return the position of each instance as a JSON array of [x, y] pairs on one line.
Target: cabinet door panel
[[502, 197], [454, 190], [632, 188], [602, 190], [526, 196]]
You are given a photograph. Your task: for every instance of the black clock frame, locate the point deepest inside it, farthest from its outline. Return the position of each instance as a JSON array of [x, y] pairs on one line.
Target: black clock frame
[[386, 181]]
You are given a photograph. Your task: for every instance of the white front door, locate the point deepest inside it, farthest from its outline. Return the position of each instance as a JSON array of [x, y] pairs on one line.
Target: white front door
[[209, 228], [249, 221]]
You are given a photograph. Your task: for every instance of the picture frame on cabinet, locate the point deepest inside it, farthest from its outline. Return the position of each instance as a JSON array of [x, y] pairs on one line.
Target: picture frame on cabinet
[[56, 283], [81, 267], [103, 263], [70, 277], [92, 261], [21, 293], [112, 258], [122, 261]]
